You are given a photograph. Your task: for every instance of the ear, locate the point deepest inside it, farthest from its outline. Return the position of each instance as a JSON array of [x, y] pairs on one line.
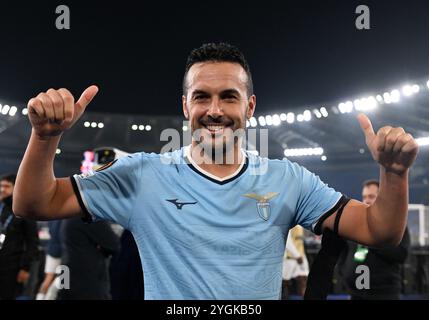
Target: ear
[[251, 107], [185, 108]]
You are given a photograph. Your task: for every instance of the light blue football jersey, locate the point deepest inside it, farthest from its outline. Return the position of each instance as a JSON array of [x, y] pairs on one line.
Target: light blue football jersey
[[201, 238]]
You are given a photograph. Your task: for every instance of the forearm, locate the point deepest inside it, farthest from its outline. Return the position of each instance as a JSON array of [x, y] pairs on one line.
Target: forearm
[[35, 183], [387, 218]]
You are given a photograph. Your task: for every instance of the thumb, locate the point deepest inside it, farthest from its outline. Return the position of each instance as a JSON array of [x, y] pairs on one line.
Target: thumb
[[86, 98], [366, 127]]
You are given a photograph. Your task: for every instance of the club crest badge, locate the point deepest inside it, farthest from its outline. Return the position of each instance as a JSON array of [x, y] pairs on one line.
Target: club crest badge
[[262, 204]]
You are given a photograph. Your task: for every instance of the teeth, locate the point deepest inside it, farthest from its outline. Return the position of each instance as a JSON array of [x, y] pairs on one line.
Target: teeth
[[215, 128]]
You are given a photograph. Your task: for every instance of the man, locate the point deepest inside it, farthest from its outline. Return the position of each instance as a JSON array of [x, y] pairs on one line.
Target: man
[[18, 244], [86, 249], [48, 290], [384, 263], [208, 227], [126, 273]]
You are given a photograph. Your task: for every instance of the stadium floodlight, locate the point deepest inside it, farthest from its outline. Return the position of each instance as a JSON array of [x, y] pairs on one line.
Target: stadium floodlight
[[269, 120], [307, 115], [134, 127], [323, 158], [148, 127], [303, 152], [276, 120], [407, 90], [317, 113], [58, 151], [283, 117], [427, 84], [185, 128], [24, 111], [262, 122], [423, 141], [345, 107], [387, 98], [366, 104], [396, 95], [86, 124], [416, 88], [13, 111], [300, 118], [5, 109], [141, 127], [379, 98], [93, 124], [290, 117], [349, 106], [358, 104], [101, 125], [324, 112], [342, 107], [253, 122]]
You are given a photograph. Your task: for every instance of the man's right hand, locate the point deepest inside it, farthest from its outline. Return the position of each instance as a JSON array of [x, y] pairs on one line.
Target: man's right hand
[[54, 111]]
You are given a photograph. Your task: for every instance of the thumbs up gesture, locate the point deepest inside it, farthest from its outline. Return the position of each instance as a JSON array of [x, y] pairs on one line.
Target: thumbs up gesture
[[55, 111], [391, 147]]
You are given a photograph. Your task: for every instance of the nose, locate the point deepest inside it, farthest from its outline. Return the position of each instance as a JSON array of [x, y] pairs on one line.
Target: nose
[[215, 110]]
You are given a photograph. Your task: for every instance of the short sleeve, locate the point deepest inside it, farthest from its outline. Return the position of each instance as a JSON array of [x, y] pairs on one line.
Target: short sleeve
[[110, 192], [316, 200]]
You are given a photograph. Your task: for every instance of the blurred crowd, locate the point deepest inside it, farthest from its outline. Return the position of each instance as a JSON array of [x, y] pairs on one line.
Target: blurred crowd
[[65, 260]]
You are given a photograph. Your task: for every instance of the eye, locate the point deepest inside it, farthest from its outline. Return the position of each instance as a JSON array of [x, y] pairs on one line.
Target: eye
[[200, 97], [230, 97]]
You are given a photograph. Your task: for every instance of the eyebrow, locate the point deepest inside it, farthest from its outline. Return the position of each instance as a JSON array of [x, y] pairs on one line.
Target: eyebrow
[[230, 91], [197, 92], [222, 93]]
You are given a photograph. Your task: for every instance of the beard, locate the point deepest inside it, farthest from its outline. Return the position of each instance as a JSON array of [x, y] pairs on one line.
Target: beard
[[218, 145]]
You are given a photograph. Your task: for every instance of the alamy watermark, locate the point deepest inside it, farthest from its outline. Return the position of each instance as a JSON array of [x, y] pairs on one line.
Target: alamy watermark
[[363, 280], [63, 20], [62, 281], [362, 22]]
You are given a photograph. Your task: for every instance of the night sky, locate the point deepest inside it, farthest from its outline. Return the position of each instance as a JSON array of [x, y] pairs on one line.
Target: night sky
[[301, 53]]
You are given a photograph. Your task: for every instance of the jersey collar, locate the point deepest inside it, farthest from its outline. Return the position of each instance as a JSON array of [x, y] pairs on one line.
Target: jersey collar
[[196, 168]]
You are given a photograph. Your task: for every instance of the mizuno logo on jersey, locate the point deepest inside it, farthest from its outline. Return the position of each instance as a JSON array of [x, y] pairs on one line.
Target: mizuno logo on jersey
[[179, 205], [262, 204]]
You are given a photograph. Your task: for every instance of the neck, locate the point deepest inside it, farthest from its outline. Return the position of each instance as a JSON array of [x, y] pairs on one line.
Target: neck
[[226, 165]]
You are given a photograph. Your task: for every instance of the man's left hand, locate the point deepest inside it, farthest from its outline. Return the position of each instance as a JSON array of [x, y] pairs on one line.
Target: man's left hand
[[392, 148]]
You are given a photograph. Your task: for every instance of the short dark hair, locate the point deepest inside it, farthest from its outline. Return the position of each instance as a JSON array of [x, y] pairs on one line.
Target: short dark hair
[[218, 52], [371, 182], [10, 177]]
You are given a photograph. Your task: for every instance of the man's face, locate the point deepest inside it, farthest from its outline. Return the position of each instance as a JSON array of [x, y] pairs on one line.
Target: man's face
[[369, 194], [216, 103], [6, 189]]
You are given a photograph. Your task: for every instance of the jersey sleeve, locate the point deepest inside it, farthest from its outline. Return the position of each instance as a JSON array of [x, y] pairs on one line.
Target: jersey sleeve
[[316, 200], [110, 192]]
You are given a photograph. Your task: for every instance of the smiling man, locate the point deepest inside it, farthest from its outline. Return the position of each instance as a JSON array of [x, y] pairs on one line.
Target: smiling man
[[209, 226]]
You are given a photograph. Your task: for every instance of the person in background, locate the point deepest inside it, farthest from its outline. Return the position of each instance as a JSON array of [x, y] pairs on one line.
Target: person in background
[[126, 272], [86, 251], [18, 244], [295, 264], [47, 290], [384, 263]]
